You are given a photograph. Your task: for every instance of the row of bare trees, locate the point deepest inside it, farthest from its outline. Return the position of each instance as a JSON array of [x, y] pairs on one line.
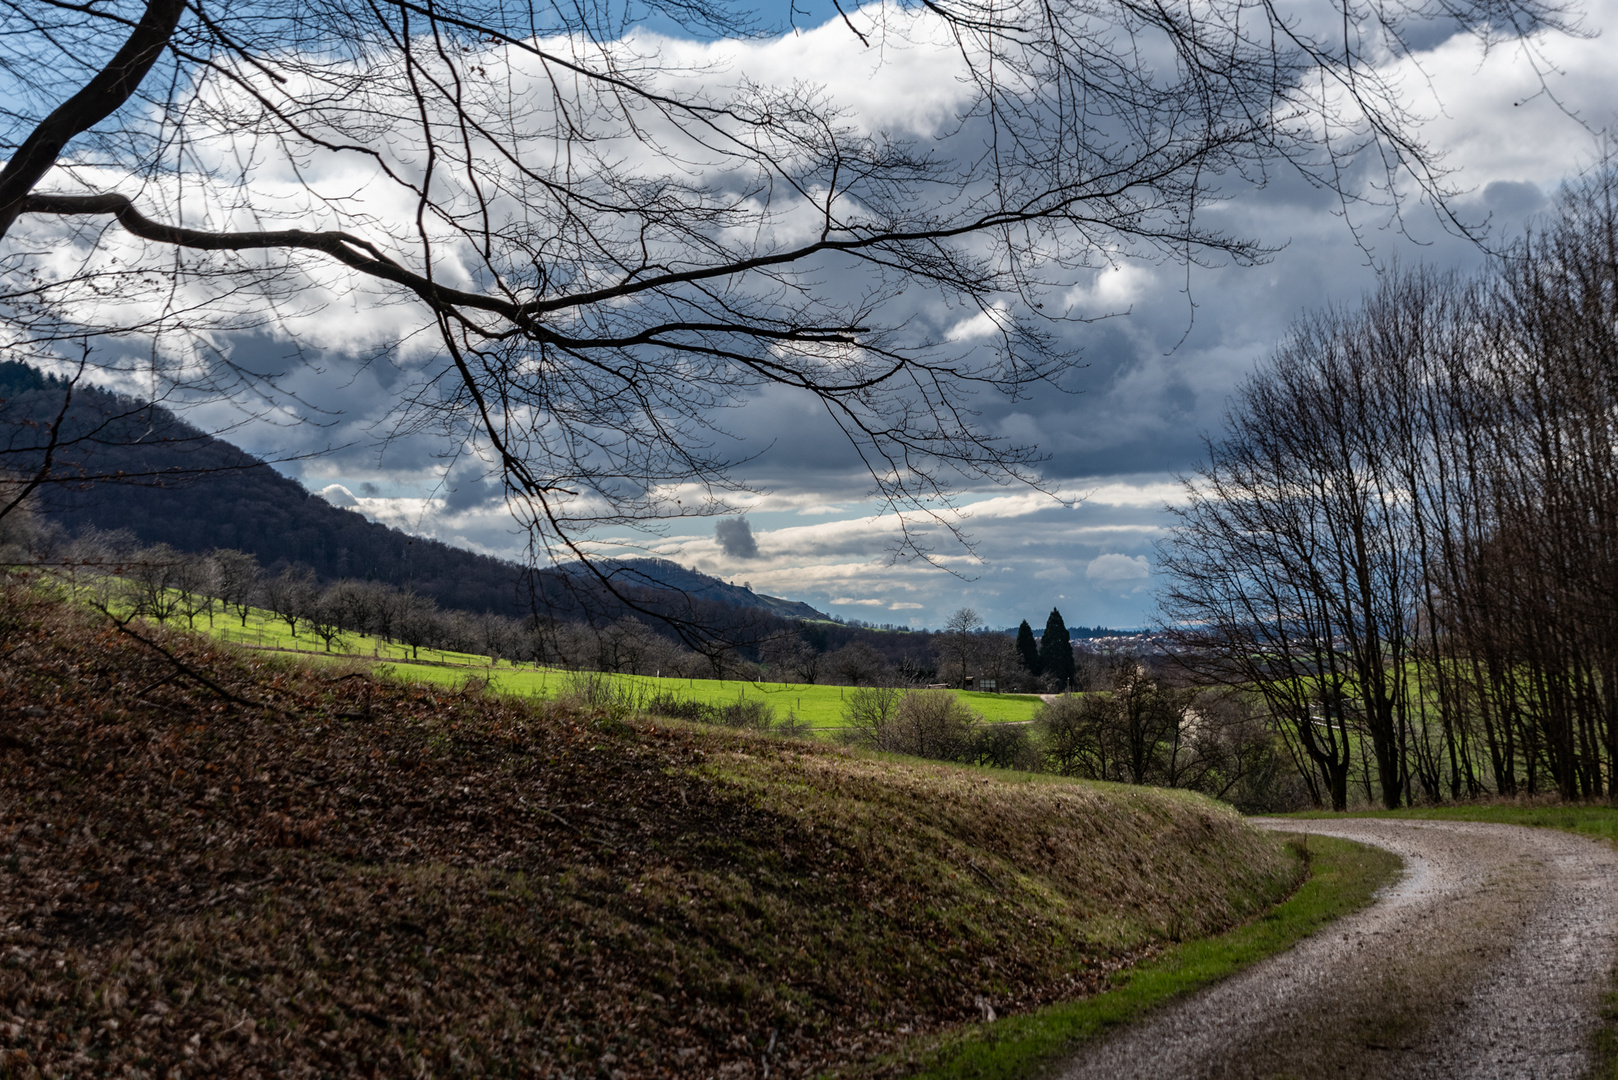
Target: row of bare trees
[[1407, 541], [166, 585]]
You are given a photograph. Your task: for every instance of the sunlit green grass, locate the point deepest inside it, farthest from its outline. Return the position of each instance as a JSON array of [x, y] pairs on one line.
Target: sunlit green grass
[[265, 631], [820, 706]]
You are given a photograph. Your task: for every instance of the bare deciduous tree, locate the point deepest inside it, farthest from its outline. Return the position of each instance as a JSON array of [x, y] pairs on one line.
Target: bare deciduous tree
[[957, 646], [290, 594], [857, 664], [237, 581], [1407, 539], [152, 584]]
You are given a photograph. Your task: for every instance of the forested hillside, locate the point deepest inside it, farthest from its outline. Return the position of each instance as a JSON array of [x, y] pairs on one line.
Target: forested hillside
[[124, 464]]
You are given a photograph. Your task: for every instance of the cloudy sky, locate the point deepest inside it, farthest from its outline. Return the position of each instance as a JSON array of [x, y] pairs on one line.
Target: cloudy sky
[[1155, 379]]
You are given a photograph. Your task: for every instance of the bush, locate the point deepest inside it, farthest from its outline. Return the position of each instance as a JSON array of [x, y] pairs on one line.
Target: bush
[[1071, 731], [752, 715], [679, 708], [930, 724], [1004, 746], [599, 694], [868, 709], [791, 727]]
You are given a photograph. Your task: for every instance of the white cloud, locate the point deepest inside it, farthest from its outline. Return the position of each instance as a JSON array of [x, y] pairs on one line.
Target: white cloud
[[1492, 113], [1151, 494], [848, 600], [905, 605], [1113, 290], [990, 323], [338, 495], [1113, 568]]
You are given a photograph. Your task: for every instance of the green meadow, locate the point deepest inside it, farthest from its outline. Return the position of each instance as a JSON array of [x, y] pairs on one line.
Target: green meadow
[[819, 706]]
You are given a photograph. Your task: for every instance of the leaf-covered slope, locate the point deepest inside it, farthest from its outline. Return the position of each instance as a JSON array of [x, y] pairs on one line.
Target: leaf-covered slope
[[360, 876]]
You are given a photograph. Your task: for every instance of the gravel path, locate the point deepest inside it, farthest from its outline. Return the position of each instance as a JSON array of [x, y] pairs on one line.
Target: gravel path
[[1487, 960]]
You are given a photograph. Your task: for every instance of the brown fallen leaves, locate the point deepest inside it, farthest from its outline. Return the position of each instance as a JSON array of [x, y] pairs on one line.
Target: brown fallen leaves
[[360, 878]]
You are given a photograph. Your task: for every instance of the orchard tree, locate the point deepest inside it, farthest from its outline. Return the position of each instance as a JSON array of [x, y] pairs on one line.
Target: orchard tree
[[605, 237], [957, 646], [290, 595], [237, 581], [857, 664]]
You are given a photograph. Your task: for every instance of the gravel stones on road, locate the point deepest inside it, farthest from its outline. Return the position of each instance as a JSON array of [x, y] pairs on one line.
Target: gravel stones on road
[[1488, 959]]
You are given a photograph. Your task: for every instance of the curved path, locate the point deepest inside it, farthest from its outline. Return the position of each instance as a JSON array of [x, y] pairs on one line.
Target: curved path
[[1488, 959]]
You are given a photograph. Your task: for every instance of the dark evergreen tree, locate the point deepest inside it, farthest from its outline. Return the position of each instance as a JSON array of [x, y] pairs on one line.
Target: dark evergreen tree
[[1028, 648], [1056, 651]]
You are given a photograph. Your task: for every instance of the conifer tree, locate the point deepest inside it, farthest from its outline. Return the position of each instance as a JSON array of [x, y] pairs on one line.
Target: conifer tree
[[1028, 648], [1056, 651]]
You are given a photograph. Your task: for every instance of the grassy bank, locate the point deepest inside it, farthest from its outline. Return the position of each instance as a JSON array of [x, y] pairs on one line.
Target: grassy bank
[[1344, 877], [819, 706], [214, 862]]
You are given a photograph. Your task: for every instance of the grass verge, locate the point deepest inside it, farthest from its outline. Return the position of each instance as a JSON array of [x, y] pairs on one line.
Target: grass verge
[[1606, 1042], [1343, 878], [1583, 818]]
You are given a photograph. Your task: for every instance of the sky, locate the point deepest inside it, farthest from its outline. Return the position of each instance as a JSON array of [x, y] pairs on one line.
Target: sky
[[1155, 379]]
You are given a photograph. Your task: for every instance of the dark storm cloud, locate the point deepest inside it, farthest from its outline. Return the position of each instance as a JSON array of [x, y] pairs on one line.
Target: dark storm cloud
[[1513, 197], [468, 487], [735, 537]]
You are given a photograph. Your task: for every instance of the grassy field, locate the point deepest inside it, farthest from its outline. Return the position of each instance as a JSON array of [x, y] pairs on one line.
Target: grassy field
[[265, 631], [819, 706], [229, 863]]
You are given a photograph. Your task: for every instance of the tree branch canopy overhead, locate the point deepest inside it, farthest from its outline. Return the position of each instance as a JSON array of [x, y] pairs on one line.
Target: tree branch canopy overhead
[[590, 240]]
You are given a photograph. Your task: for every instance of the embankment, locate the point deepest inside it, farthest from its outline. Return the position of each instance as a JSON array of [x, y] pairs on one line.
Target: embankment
[[217, 863]]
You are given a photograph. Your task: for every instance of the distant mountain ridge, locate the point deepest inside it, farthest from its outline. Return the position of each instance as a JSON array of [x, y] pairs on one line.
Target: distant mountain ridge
[[198, 492]]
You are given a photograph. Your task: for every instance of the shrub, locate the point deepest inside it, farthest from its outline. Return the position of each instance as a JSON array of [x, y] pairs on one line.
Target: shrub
[[868, 709], [791, 727], [678, 708], [600, 694], [1072, 736], [1004, 746], [931, 724], [741, 713]]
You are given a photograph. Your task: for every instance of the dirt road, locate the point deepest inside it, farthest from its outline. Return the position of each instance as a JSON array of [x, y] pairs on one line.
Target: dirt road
[[1488, 959]]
